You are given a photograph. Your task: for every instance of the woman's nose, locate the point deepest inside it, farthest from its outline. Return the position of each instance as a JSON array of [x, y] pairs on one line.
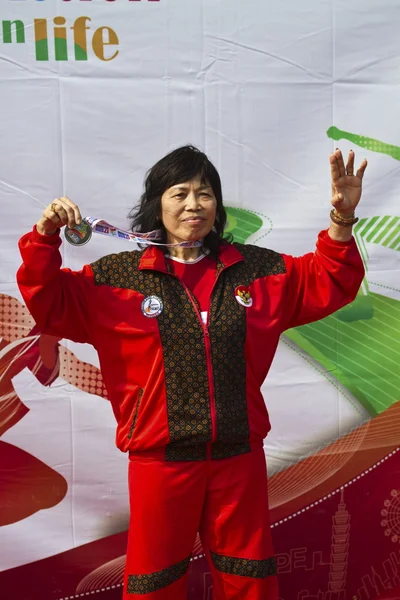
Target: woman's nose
[[192, 201]]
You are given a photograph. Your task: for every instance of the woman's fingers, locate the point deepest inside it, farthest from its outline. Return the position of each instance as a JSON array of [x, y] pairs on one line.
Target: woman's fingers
[[338, 169], [75, 209], [62, 211], [340, 162], [350, 163], [361, 169], [68, 207], [57, 212], [335, 171]]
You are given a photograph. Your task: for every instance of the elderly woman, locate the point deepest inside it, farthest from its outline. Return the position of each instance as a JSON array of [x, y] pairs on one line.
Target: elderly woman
[[186, 333]]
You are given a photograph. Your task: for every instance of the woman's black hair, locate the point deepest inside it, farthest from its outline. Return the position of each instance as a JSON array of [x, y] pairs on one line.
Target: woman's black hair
[[178, 166]]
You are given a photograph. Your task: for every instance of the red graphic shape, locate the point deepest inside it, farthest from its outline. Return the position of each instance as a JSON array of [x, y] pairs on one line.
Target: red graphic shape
[[316, 476], [27, 485]]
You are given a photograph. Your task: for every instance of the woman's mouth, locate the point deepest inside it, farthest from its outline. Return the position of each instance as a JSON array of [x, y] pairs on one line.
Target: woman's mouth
[[194, 220]]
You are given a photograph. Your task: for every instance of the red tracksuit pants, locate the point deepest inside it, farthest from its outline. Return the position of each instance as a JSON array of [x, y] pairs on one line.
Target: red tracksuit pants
[[226, 501]]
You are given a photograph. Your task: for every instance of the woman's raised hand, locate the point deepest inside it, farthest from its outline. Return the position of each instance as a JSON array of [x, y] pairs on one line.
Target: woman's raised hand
[[62, 211], [346, 186]]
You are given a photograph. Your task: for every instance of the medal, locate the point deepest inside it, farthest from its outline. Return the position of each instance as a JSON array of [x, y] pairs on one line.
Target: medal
[[78, 235]]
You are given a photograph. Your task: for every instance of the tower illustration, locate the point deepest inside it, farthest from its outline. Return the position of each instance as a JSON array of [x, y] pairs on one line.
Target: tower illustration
[[339, 552]]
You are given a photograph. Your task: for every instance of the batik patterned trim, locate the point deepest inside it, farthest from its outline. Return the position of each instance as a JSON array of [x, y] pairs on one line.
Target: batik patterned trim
[[185, 367], [228, 330], [228, 336], [244, 567], [258, 262], [184, 453], [227, 450], [152, 582], [135, 414]]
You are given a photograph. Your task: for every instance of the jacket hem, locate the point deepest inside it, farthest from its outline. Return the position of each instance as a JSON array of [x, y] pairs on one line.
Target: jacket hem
[[196, 452]]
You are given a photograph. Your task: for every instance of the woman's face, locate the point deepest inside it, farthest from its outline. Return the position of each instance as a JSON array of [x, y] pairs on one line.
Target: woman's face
[[188, 210]]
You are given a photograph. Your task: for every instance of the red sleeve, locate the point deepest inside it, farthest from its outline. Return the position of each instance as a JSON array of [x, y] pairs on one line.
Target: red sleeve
[[320, 283], [58, 299]]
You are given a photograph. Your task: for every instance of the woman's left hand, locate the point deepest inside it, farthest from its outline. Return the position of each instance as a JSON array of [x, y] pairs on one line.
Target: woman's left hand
[[346, 186]]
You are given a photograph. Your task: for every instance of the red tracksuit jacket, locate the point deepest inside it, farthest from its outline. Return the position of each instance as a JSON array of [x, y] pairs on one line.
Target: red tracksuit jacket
[[179, 388]]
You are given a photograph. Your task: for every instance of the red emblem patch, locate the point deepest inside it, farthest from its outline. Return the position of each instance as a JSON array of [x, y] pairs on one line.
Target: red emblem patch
[[243, 296]]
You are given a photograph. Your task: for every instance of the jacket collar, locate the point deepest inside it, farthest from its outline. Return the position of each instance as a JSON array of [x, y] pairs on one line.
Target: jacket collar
[[153, 258]]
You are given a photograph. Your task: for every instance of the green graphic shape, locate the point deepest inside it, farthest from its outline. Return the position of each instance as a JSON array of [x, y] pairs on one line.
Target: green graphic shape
[[363, 355], [19, 29], [384, 231], [61, 50], [359, 345], [42, 49], [80, 53], [242, 223], [380, 230], [364, 142]]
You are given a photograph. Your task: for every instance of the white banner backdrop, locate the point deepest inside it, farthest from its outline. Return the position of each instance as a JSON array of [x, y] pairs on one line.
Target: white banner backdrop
[[92, 93]]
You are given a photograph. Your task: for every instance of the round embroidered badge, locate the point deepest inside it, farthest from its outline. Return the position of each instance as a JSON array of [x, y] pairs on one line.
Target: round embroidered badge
[[152, 306], [243, 296]]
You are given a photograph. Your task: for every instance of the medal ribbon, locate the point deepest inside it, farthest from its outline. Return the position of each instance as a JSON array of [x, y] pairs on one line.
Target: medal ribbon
[[103, 228]]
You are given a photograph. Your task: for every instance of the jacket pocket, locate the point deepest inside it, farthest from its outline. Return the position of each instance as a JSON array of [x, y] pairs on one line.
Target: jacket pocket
[[135, 413]]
